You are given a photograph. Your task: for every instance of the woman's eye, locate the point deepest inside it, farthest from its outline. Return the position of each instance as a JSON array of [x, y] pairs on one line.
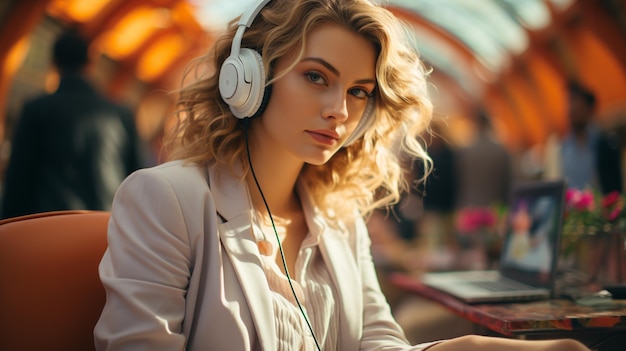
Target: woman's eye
[[315, 77], [360, 93]]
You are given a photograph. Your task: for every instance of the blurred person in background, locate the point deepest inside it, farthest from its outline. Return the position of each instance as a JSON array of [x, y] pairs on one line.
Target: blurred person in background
[[440, 190], [72, 148], [485, 168], [485, 176], [610, 157], [438, 194], [573, 157], [586, 156]]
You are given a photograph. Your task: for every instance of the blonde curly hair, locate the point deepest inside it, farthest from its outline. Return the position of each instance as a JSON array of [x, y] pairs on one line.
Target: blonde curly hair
[[360, 177]]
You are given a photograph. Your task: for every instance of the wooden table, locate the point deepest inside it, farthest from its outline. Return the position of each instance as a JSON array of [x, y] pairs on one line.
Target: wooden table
[[601, 327]]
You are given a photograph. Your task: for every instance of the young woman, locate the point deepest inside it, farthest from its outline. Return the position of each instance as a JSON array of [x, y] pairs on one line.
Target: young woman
[[254, 238]]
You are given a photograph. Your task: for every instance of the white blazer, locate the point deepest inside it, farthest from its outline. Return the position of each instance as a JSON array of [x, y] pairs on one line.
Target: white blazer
[[177, 278]]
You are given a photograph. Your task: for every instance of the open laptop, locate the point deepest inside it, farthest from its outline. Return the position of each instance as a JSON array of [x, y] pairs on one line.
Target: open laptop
[[529, 255]]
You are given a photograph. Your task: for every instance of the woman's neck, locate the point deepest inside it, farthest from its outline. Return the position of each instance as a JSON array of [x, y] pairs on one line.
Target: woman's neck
[[277, 176]]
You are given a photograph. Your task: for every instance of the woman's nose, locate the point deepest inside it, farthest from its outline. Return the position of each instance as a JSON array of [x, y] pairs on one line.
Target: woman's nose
[[336, 105]]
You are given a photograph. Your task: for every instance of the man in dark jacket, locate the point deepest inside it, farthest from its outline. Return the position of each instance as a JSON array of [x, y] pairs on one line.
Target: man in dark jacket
[[71, 149], [609, 160]]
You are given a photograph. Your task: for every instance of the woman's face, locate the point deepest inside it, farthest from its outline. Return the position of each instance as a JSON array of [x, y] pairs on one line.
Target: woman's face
[[316, 105]]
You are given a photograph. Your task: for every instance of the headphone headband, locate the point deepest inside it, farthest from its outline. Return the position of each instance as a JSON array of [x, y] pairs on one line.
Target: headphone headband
[[245, 21], [248, 17]]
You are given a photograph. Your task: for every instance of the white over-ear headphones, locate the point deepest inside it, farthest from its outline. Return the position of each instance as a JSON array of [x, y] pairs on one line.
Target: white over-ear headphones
[[242, 75], [242, 78]]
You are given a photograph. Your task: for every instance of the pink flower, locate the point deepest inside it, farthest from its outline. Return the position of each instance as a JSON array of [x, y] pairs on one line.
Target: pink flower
[[581, 200], [614, 214], [472, 219], [610, 199], [586, 201], [572, 196], [586, 209], [612, 206]]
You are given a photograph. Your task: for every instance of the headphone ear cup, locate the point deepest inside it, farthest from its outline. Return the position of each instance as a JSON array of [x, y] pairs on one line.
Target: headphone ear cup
[[242, 82], [267, 92]]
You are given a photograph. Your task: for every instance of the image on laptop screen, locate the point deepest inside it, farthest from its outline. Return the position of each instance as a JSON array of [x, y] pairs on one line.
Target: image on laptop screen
[[531, 248]]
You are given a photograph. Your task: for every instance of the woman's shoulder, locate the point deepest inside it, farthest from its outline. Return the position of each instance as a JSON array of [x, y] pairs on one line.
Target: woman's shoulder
[[178, 174], [172, 185], [174, 169]]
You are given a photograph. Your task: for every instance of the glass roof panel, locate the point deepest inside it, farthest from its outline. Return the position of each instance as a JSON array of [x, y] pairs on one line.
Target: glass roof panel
[[441, 56], [484, 26], [215, 14], [533, 14], [562, 4]]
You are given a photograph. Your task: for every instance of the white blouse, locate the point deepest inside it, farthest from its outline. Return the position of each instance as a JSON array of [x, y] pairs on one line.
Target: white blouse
[[316, 294]]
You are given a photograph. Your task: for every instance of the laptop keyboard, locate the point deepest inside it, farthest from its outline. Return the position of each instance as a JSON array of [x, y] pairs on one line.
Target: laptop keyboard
[[500, 285]]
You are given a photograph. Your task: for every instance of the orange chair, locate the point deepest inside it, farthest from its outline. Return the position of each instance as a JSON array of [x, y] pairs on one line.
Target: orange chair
[[50, 291]]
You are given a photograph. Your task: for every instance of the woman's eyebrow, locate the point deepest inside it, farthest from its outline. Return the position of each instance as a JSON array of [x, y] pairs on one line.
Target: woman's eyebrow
[[366, 81], [334, 70], [323, 63]]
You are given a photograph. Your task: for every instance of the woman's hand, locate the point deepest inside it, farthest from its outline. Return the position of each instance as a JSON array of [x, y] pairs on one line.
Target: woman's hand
[[484, 343]]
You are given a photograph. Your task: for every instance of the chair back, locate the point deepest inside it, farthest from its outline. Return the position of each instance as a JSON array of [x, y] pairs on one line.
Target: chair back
[[50, 292]]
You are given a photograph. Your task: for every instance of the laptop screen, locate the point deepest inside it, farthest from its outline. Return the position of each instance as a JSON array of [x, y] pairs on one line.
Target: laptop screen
[[531, 245]]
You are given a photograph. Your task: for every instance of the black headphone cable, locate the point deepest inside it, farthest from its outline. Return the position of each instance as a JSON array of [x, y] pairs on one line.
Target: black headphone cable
[[246, 124]]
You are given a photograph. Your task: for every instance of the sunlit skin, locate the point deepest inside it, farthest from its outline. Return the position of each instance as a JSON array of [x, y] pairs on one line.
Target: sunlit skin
[[313, 109]]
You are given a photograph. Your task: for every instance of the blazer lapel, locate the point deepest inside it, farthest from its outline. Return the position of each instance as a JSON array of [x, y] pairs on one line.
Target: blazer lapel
[[237, 235], [337, 255]]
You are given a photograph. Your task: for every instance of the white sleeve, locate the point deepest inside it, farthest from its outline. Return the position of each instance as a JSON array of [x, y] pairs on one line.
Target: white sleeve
[[146, 268], [380, 330]]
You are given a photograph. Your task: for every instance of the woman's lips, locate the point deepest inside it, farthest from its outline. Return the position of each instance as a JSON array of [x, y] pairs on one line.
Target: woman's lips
[[324, 136]]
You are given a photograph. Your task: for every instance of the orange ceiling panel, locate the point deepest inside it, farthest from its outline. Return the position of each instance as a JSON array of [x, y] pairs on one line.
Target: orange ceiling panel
[[15, 57], [526, 109], [598, 68], [77, 10], [182, 14], [133, 30], [504, 119], [549, 92], [159, 56]]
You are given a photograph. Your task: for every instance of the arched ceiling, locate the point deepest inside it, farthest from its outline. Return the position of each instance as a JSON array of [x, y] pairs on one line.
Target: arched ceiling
[[511, 56], [470, 41]]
